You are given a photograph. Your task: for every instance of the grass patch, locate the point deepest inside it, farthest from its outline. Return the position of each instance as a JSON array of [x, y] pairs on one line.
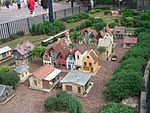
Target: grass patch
[[12, 44], [131, 30]]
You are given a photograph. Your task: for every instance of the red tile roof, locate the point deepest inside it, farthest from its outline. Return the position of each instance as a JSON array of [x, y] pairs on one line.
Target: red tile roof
[[24, 48], [130, 40], [43, 71]]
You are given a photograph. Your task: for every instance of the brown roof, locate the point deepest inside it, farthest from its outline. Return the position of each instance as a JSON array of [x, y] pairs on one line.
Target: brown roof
[[57, 46], [91, 30], [93, 55], [65, 52], [43, 71], [81, 47], [130, 40]]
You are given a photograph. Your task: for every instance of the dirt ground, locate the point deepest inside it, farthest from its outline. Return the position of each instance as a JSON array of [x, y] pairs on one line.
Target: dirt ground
[[31, 101]]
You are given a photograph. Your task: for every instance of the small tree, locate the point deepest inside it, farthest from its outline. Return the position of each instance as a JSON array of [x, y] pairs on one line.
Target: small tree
[[38, 51], [101, 49], [63, 102], [9, 78], [74, 36]]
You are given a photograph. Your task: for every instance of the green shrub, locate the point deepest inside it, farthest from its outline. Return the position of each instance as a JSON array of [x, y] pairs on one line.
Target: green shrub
[[51, 104], [117, 108], [77, 17], [20, 33], [93, 11], [47, 28], [63, 102], [107, 12], [124, 85], [9, 78], [113, 24]]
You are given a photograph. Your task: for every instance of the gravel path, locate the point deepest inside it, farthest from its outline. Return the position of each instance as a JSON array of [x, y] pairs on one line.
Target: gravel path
[[31, 101]]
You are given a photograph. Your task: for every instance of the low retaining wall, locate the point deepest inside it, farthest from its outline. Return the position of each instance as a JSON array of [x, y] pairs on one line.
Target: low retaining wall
[[143, 103]]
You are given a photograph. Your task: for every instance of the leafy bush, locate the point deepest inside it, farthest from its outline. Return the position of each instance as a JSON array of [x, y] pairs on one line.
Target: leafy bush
[[124, 85], [77, 17], [63, 102], [20, 33], [93, 11], [74, 36], [8, 77], [38, 51], [113, 24], [107, 12], [101, 49], [47, 28], [117, 108]]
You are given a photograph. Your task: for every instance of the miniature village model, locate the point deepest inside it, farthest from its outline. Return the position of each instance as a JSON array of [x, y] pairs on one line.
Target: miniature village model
[[91, 62]]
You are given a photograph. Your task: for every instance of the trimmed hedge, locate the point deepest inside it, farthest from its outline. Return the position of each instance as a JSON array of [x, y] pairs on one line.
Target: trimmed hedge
[[128, 79], [44, 28], [77, 17], [117, 108]]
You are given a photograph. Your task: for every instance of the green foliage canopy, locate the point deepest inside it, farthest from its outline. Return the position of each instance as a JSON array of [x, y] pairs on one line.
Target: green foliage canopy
[[117, 108], [38, 51]]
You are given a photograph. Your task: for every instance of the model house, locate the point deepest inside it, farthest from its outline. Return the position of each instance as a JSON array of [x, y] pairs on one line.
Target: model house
[[46, 58], [108, 45], [22, 53], [129, 42], [22, 71], [76, 82], [71, 59], [119, 31], [88, 34], [5, 53], [6, 93], [61, 57], [106, 33], [114, 12], [90, 61], [44, 78], [80, 52], [55, 49]]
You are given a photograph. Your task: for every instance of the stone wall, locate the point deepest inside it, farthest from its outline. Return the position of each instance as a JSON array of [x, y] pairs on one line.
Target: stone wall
[[143, 104]]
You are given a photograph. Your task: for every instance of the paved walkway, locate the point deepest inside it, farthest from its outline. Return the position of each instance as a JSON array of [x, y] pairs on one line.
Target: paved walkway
[[7, 15]]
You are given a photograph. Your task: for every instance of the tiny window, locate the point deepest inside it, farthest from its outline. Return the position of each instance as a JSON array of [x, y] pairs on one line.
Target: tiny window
[[84, 63], [87, 56], [77, 56]]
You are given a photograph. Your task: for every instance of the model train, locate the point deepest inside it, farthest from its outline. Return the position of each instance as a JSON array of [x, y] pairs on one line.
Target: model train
[[52, 39]]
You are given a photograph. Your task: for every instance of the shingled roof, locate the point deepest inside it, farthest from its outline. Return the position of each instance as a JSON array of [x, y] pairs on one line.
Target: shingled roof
[[64, 52], [57, 46], [93, 55], [24, 48], [81, 47]]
